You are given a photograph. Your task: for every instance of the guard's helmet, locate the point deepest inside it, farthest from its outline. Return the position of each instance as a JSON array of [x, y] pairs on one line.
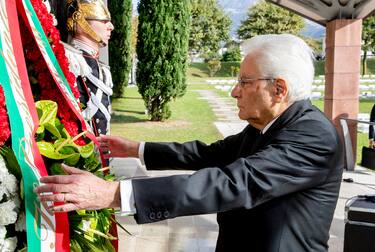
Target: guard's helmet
[[79, 11]]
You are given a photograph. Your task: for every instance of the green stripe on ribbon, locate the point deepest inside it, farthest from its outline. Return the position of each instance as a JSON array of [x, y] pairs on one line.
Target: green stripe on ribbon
[[18, 146]]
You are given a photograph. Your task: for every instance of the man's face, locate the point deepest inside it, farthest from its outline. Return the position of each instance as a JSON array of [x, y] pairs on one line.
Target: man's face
[[254, 97], [102, 28]]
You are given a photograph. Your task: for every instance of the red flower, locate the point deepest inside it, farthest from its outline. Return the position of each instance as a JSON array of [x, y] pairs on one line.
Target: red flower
[[51, 31], [4, 124], [39, 69]]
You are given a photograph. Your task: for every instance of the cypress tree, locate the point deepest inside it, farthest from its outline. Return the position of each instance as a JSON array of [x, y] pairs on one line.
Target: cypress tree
[[162, 48], [119, 45]]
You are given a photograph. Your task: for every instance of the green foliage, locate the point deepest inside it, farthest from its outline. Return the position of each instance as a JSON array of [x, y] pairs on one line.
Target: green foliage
[[368, 39], [213, 66], [57, 146], [232, 54], [234, 70], [209, 27], [319, 67], [119, 46], [200, 70], [315, 44], [211, 56], [11, 162], [162, 47], [266, 18]]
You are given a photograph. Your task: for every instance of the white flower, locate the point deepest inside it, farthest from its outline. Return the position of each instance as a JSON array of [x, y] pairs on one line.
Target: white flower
[[48, 6], [7, 213], [21, 222], [8, 182], [11, 184], [55, 23], [10, 244], [3, 232], [2, 191], [3, 167]]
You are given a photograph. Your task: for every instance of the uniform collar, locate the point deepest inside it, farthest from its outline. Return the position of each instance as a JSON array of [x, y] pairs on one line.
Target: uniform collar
[[79, 44]]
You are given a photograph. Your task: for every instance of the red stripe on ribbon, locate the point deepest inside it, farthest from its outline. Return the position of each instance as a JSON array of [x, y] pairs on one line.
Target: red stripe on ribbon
[[62, 238]]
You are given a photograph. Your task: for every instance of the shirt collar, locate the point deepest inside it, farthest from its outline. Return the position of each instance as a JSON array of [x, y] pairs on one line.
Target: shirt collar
[[263, 131]]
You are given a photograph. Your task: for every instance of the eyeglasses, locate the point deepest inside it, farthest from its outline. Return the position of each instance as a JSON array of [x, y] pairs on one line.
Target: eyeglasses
[[243, 81]]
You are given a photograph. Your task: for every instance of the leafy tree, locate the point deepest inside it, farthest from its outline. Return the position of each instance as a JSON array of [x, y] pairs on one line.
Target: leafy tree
[[209, 27], [119, 46], [213, 67], [134, 35], [368, 39], [234, 70], [163, 35], [315, 44], [232, 54], [266, 18]]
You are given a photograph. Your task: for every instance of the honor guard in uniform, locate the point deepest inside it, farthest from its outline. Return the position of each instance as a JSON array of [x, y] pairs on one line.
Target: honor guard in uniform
[[89, 25]]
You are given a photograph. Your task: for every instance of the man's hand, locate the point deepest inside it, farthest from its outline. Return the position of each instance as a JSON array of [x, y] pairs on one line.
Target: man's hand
[[114, 146], [372, 143], [79, 190]]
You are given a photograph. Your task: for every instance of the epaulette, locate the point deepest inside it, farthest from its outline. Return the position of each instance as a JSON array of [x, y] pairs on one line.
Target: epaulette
[[77, 62]]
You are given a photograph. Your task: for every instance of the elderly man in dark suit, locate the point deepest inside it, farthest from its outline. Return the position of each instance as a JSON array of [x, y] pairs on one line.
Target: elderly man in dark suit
[[274, 186]]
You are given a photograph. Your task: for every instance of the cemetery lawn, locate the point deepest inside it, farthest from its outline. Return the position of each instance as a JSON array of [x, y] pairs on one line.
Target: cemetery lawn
[[191, 119]]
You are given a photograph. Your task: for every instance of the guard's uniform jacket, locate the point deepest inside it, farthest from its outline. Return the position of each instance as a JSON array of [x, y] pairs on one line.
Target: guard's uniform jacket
[[94, 82]]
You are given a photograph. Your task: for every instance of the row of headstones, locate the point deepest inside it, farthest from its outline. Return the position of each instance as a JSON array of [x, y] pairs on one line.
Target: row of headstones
[[366, 91], [318, 83], [363, 127]]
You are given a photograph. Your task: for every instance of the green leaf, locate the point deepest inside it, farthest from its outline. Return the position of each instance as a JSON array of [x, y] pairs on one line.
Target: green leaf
[[40, 129], [47, 111], [56, 169], [65, 133], [74, 246], [11, 162], [54, 131], [92, 163], [48, 150], [73, 160], [40, 137], [86, 150]]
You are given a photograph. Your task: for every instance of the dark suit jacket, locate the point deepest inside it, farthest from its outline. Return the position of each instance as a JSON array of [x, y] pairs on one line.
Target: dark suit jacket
[[371, 134], [272, 192]]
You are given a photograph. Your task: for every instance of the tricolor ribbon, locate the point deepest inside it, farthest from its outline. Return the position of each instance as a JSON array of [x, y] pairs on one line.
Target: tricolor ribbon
[[42, 232]]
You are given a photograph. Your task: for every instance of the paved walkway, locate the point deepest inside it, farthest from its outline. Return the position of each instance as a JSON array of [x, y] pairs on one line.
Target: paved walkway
[[199, 233]]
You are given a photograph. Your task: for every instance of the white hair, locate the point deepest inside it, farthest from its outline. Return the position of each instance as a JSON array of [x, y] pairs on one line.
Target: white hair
[[284, 56]]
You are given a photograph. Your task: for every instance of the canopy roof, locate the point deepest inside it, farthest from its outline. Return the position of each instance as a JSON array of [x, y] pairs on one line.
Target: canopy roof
[[323, 11]]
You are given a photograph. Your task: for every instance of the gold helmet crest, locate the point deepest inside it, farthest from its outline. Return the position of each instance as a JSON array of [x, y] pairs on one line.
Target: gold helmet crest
[[79, 11]]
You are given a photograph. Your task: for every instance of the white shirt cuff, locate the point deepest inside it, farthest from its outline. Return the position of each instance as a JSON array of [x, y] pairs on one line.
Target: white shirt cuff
[[127, 198], [141, 152]]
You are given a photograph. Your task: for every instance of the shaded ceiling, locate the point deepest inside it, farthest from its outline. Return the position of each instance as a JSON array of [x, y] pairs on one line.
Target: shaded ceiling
[[323, 11]]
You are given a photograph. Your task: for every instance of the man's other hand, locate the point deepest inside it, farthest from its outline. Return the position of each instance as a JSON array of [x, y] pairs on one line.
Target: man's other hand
[[114, 146]]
